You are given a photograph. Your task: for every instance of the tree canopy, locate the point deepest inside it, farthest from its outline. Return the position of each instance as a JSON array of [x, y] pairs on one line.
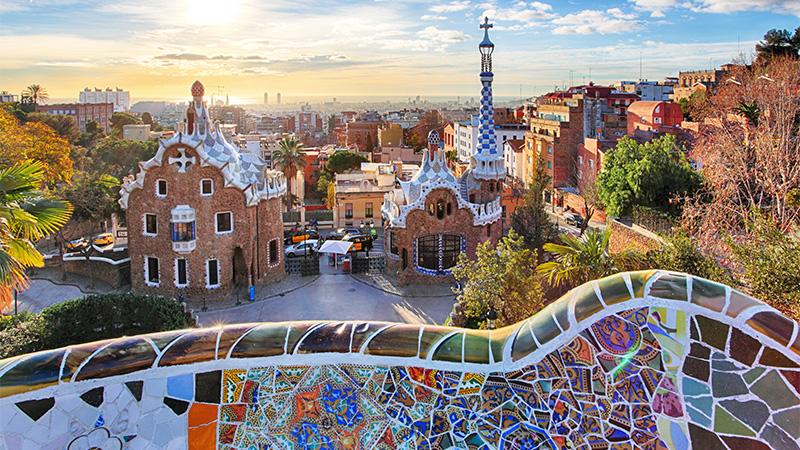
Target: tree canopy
[[778, 44], [342, 162], [503, 278], [64, 126], [119, 120], [35, 141], [652, 175], [530, 219], [119, 157]]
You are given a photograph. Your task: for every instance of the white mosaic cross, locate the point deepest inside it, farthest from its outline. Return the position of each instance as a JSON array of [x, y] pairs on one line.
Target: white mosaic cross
[[182, 160]]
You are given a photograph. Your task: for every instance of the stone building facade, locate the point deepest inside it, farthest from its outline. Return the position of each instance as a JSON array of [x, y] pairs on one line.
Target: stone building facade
[[203, 218], [435, 217]]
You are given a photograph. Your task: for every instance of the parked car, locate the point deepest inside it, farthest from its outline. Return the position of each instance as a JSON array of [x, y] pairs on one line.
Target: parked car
[[308, 247], [342, 232], [573, 219], [77, 244], [103, 239], [360, 242], [299, 236]]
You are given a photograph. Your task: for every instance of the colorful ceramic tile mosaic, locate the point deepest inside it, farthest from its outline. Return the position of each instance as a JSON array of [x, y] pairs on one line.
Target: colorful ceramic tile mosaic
[[638, 361]]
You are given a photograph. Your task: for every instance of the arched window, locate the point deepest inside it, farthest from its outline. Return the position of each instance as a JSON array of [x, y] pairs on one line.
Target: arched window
[[440, 209], [438, 253], [449, 208], [491, 187], [431, 209]]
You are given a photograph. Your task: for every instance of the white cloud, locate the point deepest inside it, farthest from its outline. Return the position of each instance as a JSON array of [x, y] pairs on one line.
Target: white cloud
[[433, 17], [521, 12], [658, 8], [438, 35], [451, 7], [596, 22]]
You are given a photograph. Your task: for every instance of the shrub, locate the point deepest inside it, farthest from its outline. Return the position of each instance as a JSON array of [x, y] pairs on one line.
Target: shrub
[[87, 319]]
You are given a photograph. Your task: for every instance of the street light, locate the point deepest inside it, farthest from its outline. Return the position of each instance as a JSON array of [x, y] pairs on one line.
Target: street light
[[491, 318]]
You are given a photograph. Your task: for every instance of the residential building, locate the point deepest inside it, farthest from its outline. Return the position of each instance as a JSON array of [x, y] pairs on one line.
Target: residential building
[[81, 112], [119, 98], [688, 80], [362, 130], [390, 135], [449, 138], [399, 154], [654, 116], [234, 115], [8, 98], [271, 125], [136, 132], [646, 90], [514, 152], [202, 217], [434, 217], [466, 136], [360, 195], [560, 121]]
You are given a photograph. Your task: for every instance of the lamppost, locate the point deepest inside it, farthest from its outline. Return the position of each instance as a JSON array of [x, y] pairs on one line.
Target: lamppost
[[491, 318]]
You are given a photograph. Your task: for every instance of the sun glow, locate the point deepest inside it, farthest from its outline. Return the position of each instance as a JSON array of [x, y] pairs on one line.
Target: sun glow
[[211, 12]]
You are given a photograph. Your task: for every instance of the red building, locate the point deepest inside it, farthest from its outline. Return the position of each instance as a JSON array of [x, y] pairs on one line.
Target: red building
[[653, 116], [81, 112]]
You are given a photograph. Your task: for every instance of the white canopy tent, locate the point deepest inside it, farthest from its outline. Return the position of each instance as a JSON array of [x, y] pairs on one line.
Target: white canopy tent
[[333, 246]]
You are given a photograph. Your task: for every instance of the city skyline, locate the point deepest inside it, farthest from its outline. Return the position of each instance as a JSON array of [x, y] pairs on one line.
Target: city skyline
[[370, 48]]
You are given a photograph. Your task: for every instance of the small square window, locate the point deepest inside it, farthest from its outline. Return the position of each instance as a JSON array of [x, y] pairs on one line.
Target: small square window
[[368, 210], [549, 165], [206, 187], [150, 224], [549, 149], [224, 222], [161, 188], [348, 210]]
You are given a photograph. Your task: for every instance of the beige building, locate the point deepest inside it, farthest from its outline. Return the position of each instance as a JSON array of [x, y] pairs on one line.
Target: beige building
[[139, 132], [360, 195], [390, 135]]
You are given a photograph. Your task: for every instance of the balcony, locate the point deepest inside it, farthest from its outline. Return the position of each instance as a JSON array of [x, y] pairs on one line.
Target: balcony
[[184, 246]]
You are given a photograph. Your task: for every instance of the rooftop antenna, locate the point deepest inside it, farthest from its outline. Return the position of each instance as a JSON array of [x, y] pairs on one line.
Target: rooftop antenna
[[590, 74], [571, 80], [640, 65]]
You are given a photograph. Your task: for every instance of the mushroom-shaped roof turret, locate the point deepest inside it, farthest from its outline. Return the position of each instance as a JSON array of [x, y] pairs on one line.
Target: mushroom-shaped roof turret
[[433, 139], [197, 89]]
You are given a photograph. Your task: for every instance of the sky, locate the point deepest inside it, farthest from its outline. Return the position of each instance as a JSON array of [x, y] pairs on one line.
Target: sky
[[244, 48]]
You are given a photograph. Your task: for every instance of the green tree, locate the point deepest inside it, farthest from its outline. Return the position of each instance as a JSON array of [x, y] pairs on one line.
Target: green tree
[[502, 278], [530, 219], [778, 44], [586, 258], [34, 94], [147, 118], [342, 162], [119, 120], [26, 215], [289, 158], [64, 126], [680, 253], [119, 157], [769, 262], [652, 175], [94, 133], [94, 199]]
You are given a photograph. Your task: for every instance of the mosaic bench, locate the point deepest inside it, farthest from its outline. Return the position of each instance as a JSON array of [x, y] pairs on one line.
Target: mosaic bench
[[642, 360]]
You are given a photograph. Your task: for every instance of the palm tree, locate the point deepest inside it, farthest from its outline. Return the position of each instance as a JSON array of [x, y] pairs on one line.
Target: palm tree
[[34, 94], [289, 158], [586, 258], [26, 214]]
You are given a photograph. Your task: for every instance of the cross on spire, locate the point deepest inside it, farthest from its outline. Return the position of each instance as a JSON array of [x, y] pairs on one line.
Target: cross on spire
[[486, 24]]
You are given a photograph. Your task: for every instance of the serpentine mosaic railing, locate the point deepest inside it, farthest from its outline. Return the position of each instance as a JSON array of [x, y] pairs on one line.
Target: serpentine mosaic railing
[[643, 360]]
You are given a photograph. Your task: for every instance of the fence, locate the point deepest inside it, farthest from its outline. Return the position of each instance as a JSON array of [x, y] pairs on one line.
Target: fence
[[370, 264], [303, 266]]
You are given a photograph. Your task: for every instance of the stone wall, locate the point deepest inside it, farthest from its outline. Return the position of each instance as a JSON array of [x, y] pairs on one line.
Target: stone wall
[[623, 235], [115, 273], [643, 360]]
